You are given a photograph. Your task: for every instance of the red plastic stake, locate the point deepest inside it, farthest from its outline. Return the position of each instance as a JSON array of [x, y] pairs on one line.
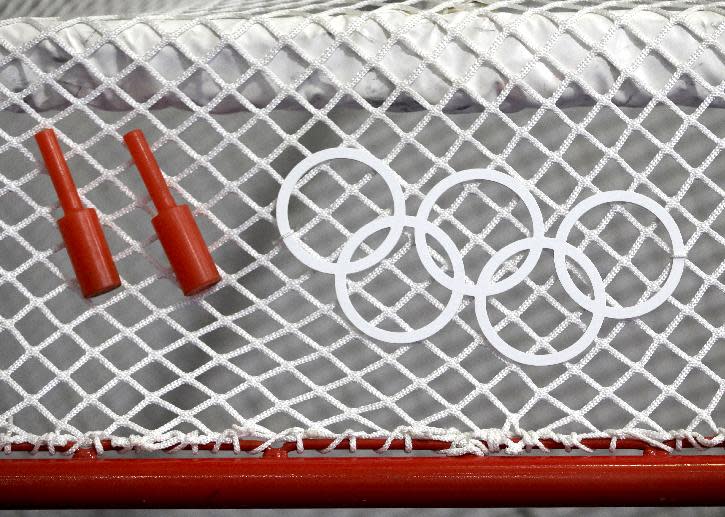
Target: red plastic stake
[[179, 235], [81, 230]]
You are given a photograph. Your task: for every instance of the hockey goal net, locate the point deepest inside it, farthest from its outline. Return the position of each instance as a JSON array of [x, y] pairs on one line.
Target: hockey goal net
[[571, 99]]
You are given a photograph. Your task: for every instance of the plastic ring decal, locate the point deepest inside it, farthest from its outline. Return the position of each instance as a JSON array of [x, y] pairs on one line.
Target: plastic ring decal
[[598, 304], [466, 286], [678, 252], [293, 242], [343, 295]]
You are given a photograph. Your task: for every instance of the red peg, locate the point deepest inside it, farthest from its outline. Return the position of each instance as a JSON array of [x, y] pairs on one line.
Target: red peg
[[87, 247], [175, 226]]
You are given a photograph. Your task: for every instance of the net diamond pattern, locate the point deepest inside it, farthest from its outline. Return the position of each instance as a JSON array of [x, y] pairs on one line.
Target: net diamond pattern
[[572, 98]]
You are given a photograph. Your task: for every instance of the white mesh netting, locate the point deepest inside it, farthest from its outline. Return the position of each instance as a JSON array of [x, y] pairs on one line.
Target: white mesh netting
[[571, 97]]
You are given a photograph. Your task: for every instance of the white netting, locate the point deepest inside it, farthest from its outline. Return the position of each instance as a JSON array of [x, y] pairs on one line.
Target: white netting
[[571, 97]]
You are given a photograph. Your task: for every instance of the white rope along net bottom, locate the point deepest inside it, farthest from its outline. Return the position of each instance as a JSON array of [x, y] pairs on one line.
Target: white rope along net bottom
[[571, 99]]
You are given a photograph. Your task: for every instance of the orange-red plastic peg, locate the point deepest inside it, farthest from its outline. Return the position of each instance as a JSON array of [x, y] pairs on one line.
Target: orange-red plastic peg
[[175, 226], [81, 230]]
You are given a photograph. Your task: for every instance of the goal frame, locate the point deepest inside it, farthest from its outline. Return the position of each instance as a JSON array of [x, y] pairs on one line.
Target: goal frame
[[276, 478], [410, 473]]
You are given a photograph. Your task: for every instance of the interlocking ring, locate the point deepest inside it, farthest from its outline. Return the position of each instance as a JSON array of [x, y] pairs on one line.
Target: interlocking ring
[[343, 296], [678, 252], [459, 284], [466, 286], [294, 243], [597, 304]]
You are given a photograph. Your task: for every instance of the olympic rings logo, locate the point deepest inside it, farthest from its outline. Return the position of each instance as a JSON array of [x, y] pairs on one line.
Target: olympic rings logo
[[458, 283]]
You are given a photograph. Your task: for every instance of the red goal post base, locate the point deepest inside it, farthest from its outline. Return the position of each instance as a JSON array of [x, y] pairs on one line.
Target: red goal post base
[[279, 479]]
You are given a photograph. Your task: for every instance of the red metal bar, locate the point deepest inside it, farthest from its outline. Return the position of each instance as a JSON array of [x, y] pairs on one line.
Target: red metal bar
[[277, 481], [374, 443]]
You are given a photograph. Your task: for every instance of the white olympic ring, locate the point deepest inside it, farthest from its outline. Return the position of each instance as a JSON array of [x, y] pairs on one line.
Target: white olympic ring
[[597, 309], [459, 284], [343, 296], [294, 244], [466, 286], [678, 252]]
